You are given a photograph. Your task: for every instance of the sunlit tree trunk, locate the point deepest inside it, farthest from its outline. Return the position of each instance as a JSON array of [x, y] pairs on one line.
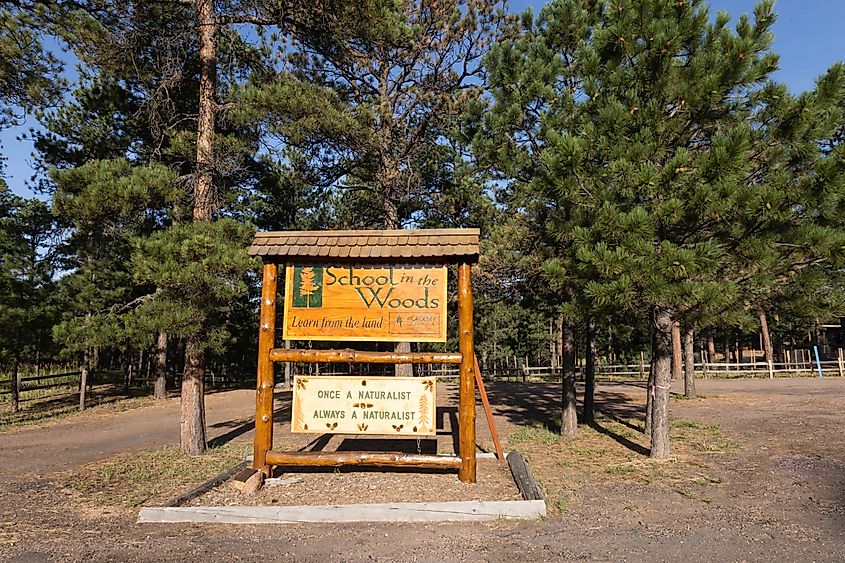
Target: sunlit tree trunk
[[662, 360], [193, 381], [161, 366], [689, 364], [590, 372]]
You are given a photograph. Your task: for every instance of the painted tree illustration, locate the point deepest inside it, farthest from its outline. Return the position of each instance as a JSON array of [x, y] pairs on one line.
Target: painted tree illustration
[[424, 421], [306, 284]]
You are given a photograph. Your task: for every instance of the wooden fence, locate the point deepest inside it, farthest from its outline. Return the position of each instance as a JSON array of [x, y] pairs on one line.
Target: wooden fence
[[69, 378], [639, 372], [800, 365]]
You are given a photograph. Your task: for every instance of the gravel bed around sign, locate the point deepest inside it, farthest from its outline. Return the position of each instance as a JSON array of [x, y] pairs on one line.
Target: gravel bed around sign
[[370, 487]]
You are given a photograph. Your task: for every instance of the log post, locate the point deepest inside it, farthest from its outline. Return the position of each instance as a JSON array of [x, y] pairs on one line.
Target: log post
[[466, 409], [83, 378], [16, 385], [841, 363], [264, 387]]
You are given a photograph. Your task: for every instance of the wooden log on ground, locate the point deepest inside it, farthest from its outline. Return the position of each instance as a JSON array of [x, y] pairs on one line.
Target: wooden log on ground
[[375, 459], [208, 485], [355, 356], [523, 478]]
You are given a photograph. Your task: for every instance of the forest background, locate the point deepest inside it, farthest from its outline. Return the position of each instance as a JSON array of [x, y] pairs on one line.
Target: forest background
[[632, 164]]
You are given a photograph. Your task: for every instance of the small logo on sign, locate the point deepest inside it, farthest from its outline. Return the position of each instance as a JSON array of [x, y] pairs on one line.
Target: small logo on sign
[[308, 287]]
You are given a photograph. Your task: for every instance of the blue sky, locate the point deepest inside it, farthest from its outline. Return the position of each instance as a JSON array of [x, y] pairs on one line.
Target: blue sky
[[808, 38]]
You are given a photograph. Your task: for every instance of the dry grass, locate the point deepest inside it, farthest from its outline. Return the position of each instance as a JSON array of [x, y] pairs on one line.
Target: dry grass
[[149, 478], [611, 451]]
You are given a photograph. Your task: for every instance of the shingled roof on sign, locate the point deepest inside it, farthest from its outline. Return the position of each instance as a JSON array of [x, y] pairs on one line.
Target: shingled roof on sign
[[441, 245]]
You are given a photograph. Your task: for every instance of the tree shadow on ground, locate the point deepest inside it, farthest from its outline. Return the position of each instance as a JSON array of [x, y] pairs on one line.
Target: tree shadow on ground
[[527, 404], [539, 403], [618, 438], [244, 425]]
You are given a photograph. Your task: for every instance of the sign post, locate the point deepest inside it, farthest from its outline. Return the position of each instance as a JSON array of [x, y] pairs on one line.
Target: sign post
[[388, 286]]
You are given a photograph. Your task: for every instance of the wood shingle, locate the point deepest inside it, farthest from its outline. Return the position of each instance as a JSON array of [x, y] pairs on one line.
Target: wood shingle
[[437, 245]]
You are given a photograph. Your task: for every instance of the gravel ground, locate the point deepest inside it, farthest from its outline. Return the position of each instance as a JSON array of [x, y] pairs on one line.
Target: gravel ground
[[780, 496], [368, 487]]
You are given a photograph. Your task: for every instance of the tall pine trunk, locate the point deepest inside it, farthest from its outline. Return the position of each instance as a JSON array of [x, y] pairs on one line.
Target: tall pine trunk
[[192, 420], [767, 344], [663, 326], [689, 364], [569, 415], [590, 372], [676, 350], [650, 388], [559, 342], [192, 429], [203, 182], [161, 366], [711, 347]]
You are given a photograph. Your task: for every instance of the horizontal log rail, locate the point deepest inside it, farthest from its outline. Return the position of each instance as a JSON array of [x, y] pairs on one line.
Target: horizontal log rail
[[354, 356], [51, 376], [375, 459]]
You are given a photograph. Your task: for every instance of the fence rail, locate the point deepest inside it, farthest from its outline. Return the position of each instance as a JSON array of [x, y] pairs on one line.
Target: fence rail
[[825, 368], [24, 388], [640, 371]]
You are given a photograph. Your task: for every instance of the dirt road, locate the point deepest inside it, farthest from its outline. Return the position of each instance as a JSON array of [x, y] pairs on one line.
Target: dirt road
[[99, 433], [779, 497]]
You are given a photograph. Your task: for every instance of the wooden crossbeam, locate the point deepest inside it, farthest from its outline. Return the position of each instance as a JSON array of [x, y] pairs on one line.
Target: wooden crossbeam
[[354, 356], [377, 459]]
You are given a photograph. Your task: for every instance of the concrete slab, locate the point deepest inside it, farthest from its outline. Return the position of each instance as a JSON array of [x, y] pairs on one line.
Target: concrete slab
[[395, 512]]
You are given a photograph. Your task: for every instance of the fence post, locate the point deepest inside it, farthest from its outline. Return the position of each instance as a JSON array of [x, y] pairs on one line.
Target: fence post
[[16, 386], [839, 358], [642, 366]]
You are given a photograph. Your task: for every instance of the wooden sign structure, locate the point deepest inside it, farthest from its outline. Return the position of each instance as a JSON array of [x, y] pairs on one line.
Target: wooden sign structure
[[355, 286]]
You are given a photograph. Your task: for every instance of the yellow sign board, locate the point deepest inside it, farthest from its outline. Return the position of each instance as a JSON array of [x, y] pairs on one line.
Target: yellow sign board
[[364, 405], [393, 304]]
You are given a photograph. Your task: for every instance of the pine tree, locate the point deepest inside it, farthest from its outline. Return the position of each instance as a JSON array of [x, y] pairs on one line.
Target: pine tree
[[367, 118], [630, 122], [29, 74], [528, 135]]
